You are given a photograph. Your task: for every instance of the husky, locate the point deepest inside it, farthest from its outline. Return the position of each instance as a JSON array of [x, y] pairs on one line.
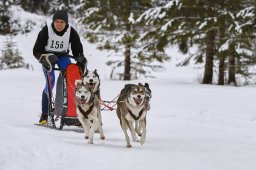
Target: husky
[[131, 109], [92, 79], [148, 96], [87, 110]]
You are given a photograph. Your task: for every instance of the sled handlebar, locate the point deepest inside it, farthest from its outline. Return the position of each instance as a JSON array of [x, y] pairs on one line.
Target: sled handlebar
[[58, 69]]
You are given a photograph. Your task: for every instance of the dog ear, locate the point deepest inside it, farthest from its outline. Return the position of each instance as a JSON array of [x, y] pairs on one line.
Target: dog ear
[[147, 87], [127, 88], [78, 82], [140, 84], [95, 72], [148, 90], [86, 72]]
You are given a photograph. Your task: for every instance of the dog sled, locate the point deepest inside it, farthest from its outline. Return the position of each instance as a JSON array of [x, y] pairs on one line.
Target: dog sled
[[65, 108], [62, 110]]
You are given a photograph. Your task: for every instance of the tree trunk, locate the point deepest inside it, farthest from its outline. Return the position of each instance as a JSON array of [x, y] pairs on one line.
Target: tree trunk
[[127, 62], [208, 68], [232, 66], [221, 69], [127, 53], [221, 54]]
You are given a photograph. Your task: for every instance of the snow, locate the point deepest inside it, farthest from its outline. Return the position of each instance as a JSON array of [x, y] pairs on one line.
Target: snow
[[168, 24], [225, 45], [190, 126], [131, 18], [153, 13], [247, 12], [173, 3]]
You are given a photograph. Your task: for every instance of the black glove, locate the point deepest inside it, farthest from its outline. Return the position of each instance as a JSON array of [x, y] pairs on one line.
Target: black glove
[[48, 60], [81, 61]]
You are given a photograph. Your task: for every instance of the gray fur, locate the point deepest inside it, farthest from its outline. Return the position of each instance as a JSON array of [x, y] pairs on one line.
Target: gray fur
[[126, 106], [91, 121]]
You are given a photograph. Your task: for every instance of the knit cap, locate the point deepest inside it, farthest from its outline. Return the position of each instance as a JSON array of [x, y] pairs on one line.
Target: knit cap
[[60, 14]]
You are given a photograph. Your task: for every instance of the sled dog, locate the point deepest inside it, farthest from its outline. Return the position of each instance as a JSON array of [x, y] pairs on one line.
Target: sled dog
[[87, 110], [92, 79], [131, 109], [138, 127]]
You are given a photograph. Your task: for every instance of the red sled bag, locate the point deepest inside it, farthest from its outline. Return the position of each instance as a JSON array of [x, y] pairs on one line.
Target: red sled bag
[[64, 102]]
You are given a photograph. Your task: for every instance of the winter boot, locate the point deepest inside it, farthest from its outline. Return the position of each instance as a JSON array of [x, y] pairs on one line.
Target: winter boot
[[43, 119]]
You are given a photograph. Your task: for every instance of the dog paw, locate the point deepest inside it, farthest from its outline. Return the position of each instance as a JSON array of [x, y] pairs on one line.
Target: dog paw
[[128, 146], [90, 142], [142, 142], [135, 140], [86, 137]]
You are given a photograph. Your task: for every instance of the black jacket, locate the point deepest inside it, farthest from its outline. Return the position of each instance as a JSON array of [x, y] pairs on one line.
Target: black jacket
[[42, 38]]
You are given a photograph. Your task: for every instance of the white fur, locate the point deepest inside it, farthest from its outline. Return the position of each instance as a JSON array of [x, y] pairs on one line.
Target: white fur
[[92, 78], [93, 122], [83, 93]]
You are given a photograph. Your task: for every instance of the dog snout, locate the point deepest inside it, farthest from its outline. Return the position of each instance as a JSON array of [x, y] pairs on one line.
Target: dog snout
[[139, 96], [82, 97], [91, 80]]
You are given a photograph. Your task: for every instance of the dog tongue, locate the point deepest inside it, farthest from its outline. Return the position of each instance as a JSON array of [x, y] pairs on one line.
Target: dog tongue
[[137, 101], [91, 85], [81, 101]]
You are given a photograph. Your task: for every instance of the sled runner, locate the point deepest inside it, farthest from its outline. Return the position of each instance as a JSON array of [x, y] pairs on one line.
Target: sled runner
[[45, 125]]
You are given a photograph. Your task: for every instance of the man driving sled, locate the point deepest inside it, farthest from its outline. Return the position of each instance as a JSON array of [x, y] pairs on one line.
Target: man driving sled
[[52, 47]]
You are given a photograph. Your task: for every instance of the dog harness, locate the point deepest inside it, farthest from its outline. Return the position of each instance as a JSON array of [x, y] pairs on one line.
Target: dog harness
[[135, 117], [55, 43], [85, 114]]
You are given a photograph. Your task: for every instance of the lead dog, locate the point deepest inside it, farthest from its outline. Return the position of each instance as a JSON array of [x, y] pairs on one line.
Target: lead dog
[[92, 79], [87, 110], [131, 109], [148, 96]]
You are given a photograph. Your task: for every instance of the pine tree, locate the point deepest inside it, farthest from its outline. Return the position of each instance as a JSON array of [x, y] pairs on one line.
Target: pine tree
[[35, 6], [246, 34], [9, 24], [55, 5], [111, 24], [11, 57], [5, 27], [213, 26]]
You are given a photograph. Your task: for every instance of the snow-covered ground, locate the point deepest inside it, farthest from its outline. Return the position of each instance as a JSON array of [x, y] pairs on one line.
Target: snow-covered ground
[[189, 127]]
